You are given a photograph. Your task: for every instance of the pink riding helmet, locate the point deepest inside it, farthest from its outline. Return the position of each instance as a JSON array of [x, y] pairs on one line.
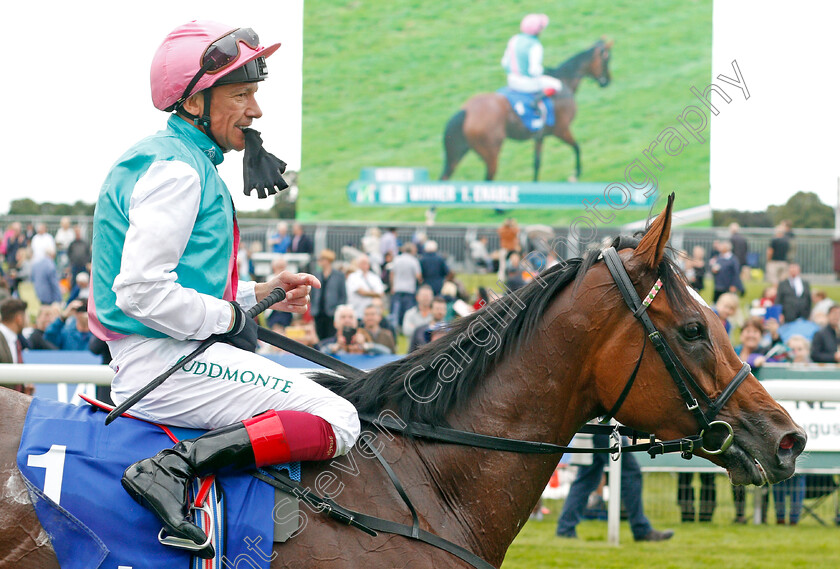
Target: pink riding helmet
[[533, 24], [178, 59]]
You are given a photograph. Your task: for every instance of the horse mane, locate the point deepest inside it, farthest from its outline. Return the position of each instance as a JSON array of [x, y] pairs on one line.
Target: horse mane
[[571, 67], [520, 310]]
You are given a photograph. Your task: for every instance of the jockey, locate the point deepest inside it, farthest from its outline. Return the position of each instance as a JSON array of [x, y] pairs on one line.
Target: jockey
[[522, 60], [165, 277]]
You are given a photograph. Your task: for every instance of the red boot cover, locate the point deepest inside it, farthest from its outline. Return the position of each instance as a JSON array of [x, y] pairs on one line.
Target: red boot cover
[[278, 437]]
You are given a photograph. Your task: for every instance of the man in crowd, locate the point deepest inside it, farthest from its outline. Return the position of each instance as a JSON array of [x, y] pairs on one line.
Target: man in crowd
[[325, 300], [371, 324], [777, 255], [71, 330], [349, 338], [405, 275], [12, 322], [825, 345], [300, 242], [433, 266], [44, 277], [41, 243], [280, 239], [420, 314], [363, 285], [78, 253], [726, 271], [422, 334], [794, 294]]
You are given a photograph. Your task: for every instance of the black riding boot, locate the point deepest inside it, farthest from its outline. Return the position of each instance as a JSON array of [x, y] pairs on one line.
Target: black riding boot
[[160, 483]]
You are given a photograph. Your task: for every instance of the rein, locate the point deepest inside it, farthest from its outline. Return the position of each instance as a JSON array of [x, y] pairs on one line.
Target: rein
[[687, 446]]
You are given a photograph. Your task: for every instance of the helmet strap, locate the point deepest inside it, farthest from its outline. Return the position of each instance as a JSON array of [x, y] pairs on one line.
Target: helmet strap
[[203, 121]]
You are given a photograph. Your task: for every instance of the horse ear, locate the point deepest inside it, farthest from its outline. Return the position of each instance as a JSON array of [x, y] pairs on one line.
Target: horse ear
[[651, 248]]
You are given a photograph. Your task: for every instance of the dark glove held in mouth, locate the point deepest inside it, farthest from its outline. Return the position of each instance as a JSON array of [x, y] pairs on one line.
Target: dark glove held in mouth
[[262, 170]]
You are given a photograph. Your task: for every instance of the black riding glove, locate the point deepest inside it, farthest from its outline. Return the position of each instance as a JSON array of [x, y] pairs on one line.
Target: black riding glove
[[262, 170], [243, 334]]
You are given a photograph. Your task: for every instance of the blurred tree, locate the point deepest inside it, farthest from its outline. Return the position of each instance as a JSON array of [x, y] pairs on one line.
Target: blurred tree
[[27, 206], [722, 218], [804, 209]]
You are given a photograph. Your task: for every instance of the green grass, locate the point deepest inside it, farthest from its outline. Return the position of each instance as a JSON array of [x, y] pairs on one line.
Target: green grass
[[382, 78], [717, 545]]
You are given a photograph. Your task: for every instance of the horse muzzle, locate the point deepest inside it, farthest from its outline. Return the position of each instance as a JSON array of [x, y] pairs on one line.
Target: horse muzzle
[[750, 460]]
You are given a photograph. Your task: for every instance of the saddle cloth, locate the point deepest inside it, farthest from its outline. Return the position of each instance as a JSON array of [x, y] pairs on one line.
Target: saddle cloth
[[523, 105], [72, 465]]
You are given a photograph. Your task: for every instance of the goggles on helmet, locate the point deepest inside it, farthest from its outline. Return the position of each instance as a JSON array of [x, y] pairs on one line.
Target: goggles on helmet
[[220, 54]]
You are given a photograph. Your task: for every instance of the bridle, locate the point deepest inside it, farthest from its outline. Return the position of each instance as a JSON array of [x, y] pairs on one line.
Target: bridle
[[683, 379]]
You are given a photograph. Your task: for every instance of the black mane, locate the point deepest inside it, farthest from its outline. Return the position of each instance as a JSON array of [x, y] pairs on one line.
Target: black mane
[[571, 67], [516, 317]]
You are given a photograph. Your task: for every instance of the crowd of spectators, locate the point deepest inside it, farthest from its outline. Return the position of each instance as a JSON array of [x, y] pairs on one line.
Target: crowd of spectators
[[44, 280]]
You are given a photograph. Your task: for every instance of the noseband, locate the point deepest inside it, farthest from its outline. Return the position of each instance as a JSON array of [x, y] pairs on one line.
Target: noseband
[[682, 377]]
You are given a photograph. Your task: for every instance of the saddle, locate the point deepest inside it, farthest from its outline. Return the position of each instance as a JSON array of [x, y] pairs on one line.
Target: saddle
[[72, 464], [535, 110]]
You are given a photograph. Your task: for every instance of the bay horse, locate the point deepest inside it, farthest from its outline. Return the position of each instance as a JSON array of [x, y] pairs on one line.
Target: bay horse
[[486, 119], [561, 357]]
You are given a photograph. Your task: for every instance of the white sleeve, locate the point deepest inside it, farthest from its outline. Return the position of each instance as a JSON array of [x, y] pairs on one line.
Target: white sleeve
[[162, 212], [535, 58], [246, 296]]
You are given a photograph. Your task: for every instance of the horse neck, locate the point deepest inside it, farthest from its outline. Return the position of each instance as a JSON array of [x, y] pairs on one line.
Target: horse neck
[[538, 394], [572, 78]]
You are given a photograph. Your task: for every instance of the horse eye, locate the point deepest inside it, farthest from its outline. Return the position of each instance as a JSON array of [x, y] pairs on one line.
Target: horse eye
[[692, 331]]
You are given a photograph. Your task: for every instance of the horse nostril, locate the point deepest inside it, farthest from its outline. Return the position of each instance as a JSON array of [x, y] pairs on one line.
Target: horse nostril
[[787, 442]]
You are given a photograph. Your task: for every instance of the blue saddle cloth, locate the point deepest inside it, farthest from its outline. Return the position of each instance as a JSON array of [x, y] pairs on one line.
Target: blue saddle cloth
[[524, 106], [72, 465]]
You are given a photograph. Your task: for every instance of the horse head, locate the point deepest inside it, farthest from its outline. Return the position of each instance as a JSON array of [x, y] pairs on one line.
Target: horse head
[[599, 65], [743, 429]]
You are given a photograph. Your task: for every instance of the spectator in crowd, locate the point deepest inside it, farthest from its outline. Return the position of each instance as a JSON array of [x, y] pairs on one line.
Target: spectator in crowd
[[371, 324], [777, 255], [63, 237], [509, 237], [70, 330], [768, 296], [726, 307], [740, 248], [81, 288], [389, 243], [587, 480], [78, 253], [385, 323], [349, 338], [421, 313], [480, 255], [750, 348], [12, 322], [280, 239], [41, 243], [794, 294], [821, 304], [726, 271], [433, 266], [301, 243], [695, 268], [513, 272], [685, 496], [422, 334], [824, 345], [363, 285], [325, 300], [405, 274], [45, 278], [36, 340], [800, 349], [14, 241], [372, 247], [771, 342]]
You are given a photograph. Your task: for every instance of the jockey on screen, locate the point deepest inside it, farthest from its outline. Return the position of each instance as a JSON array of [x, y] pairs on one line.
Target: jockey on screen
[[522, 60]]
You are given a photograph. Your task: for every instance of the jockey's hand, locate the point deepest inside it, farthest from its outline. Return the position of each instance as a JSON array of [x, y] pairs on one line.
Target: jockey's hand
[[297, 287]]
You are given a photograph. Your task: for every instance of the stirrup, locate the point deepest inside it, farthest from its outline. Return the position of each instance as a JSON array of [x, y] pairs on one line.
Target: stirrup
[[188, 544]]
